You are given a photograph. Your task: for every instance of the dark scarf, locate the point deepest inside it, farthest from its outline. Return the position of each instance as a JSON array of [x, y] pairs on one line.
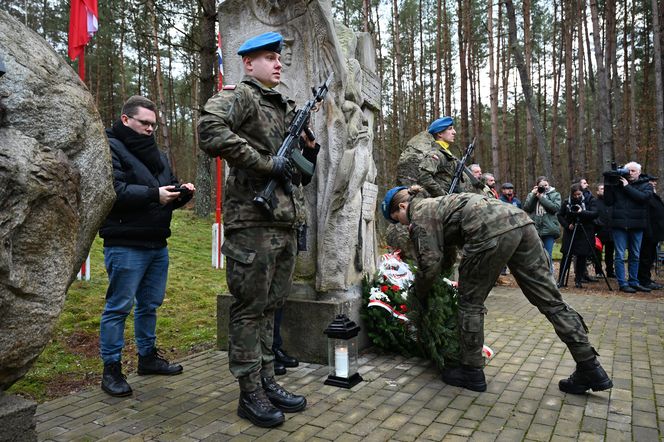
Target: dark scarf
[[144, 147]]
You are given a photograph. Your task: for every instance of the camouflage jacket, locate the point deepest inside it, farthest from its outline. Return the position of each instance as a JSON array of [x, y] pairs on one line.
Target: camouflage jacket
[[439, 226], [436, 171], [246, 126]]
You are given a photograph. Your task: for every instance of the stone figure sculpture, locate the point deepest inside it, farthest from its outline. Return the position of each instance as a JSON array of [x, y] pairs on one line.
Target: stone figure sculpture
[[55, 176], [341, 203]]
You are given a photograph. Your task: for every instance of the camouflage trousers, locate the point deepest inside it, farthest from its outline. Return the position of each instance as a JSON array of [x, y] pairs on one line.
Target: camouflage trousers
[[260, 264], [522, 251]]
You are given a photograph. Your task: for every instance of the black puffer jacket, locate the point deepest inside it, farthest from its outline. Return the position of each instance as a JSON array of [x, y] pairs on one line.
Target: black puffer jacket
[[137, 219], [584, 239], [630, 203]]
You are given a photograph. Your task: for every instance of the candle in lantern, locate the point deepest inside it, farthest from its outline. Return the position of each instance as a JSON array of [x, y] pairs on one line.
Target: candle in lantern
[[341, 361]]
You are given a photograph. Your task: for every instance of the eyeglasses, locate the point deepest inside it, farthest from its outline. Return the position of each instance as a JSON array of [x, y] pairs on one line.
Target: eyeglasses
[[145, 123]]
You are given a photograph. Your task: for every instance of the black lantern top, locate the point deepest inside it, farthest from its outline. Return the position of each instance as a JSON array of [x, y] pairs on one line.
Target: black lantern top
[[342, 328]]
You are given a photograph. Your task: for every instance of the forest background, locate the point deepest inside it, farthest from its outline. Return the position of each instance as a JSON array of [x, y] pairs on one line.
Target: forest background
[[558, 88]]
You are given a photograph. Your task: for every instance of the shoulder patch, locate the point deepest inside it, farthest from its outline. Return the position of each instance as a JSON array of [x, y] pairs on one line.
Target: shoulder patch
[[228, 87]]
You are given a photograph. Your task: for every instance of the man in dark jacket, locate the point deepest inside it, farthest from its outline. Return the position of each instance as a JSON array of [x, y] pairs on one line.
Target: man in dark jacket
[[653, 233], [629, 199], [135, 250]]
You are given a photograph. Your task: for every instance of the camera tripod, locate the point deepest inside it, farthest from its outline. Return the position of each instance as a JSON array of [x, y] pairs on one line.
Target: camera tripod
[[564, 269]]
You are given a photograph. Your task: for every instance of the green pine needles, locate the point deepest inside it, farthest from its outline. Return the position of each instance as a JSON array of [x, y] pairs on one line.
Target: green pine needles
[[406, 325]]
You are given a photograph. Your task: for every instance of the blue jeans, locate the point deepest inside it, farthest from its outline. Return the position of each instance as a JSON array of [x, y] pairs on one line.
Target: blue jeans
[[547, 242], [134, 274], [627, 240]]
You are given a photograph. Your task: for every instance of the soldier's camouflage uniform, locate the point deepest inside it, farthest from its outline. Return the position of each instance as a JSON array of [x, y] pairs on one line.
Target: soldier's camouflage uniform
[[246, 126], [490, 234], [436, 170]]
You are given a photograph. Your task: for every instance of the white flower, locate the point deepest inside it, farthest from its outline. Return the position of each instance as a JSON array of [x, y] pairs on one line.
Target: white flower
[[377, 295]]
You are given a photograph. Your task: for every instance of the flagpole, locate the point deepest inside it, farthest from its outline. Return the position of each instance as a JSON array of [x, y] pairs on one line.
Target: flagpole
[[219, 261]]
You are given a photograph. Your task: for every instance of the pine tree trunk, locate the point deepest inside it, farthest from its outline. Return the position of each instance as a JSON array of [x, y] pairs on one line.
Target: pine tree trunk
[[493, 96], [584, 153], [527, 92], [659, 89], [603, 107], [161, 103], [207, 53], [570, 102]]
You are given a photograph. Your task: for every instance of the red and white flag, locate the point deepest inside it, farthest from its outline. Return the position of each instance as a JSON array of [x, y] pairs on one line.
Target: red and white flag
[[82, 25]]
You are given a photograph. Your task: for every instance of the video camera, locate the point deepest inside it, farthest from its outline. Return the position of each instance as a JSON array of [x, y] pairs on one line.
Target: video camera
[[612, 177]]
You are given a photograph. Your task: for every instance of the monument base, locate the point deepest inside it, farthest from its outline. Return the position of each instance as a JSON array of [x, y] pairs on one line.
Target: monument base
[[17, 419], [306, 315]]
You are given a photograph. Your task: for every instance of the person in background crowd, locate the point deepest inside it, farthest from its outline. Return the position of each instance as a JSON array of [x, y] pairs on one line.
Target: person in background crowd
[[490, 182], [629, 199], [135, 247], [490, 235], [603, 231], [542, 204], [476, 170], [652, 234], [577, 210], [507, 195]]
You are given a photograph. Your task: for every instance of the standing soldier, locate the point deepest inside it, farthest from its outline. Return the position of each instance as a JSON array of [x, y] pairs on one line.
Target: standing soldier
[[436, 169], [246, 127], [491, 234]]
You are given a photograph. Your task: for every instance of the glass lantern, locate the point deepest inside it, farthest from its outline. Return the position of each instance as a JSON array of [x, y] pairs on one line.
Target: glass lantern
[[342, 352]]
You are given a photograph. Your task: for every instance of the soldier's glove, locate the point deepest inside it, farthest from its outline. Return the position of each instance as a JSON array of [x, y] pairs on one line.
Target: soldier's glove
[[281, 169]]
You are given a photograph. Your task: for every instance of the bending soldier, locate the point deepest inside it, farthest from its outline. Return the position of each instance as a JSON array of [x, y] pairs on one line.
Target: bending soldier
[[491, 234]]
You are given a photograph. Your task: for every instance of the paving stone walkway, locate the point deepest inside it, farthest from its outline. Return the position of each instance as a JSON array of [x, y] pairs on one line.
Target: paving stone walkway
[[404, 399]]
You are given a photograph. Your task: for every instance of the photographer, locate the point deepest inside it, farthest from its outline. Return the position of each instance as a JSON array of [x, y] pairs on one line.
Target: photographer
[[628, 193], [542, 204], [581, 209], [603, 230]]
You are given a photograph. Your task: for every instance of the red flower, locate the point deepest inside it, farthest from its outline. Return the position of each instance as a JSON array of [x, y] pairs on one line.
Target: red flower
[[395, 288], [403, 308], [384, 277], [383, 288]]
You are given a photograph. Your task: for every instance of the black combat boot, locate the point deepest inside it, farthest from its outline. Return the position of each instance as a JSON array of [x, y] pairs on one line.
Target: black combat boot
[[113, 381], [282, 399], [155, 363], [588, 375], [279, 368], [285, 358], [471, 378], [256, 407]]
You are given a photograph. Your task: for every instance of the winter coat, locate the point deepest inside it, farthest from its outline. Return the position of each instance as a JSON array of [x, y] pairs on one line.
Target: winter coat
[[545, 219], [584, 243], [630, 203], [137, 219]]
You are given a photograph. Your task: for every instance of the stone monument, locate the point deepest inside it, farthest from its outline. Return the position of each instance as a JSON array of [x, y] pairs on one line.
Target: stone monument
[[57, 187], [341, 200]]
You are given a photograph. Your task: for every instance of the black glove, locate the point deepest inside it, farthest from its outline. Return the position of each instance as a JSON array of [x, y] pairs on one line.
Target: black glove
[[281, 169]]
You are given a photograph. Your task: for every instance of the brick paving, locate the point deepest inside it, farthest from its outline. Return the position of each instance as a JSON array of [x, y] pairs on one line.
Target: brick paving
[[404, 399]]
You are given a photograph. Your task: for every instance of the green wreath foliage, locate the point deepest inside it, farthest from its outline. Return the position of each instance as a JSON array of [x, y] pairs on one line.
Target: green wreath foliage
[[431, 329]]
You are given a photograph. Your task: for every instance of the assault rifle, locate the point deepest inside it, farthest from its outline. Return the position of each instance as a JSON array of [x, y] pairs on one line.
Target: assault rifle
[[289, 146], [461, 166]]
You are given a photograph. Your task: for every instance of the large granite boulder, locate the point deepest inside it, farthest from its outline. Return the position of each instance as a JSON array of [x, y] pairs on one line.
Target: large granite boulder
[[56, 181]]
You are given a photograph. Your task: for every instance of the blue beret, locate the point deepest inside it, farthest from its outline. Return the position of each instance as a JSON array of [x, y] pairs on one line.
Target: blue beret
[[270, 41], [385, 205], [440, 125]]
